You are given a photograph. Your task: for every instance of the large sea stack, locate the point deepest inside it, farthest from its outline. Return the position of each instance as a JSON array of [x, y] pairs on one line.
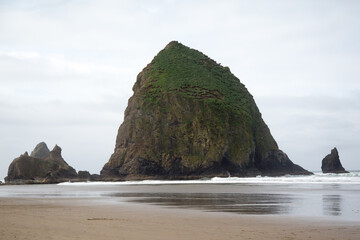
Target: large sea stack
[[190, 117], [331, 163], [42, 166]]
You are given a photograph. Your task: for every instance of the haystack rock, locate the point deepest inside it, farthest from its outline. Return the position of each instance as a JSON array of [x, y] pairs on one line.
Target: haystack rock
[[40, 167], [189, 118], [331, 163]]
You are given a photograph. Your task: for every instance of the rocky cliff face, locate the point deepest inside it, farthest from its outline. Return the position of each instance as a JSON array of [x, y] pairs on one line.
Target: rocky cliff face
[[331, 163], [40, 151], [40, 167], [190, 117]]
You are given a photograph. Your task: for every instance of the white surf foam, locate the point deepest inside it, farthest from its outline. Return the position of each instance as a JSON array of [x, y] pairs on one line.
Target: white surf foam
[[318, 178]]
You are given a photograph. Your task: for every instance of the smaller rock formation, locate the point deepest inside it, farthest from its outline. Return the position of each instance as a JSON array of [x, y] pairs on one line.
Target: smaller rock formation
[[42, 166], [97, 177], [84, 175], [331, 163]]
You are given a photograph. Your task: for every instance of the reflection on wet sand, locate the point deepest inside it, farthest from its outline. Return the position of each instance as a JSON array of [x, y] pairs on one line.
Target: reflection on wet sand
[[335, 201], [217, 202], [332, 205]]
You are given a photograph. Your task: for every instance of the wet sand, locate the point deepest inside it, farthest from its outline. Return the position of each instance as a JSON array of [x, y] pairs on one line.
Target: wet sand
[[60, 218]]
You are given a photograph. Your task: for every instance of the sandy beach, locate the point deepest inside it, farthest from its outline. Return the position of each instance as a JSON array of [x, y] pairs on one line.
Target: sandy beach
[[27, 218]]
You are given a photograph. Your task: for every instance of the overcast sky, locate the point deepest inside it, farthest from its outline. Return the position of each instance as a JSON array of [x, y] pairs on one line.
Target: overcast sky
[[67, 69]]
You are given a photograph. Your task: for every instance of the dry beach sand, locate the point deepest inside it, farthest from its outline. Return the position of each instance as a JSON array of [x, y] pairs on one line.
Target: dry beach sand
[[26, 218]]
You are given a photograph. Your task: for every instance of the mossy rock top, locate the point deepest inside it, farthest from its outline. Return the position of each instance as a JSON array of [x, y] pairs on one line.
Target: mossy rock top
[[190, 73]]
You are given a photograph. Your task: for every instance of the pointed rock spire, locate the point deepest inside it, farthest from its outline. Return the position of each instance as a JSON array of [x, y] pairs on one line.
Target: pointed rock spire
[[56, 152], [331, 163], [40, 151]]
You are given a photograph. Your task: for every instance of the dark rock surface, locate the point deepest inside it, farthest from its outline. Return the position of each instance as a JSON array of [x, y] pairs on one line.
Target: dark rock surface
[[189, 118], [278, 163], [29, 169], [331, 163], [40, 151], [84, 175], [97, 177]]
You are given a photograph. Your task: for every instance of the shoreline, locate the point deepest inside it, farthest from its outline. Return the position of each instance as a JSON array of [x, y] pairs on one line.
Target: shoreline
[[331, 178], [55, 218]]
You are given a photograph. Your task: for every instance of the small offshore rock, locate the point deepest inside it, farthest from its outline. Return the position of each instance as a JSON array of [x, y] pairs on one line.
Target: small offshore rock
[[331, 163]]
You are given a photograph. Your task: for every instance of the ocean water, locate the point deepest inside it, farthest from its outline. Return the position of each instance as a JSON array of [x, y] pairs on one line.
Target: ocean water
[[330, 196]]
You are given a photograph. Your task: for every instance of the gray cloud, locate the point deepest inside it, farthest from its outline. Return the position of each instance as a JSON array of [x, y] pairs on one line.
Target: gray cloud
[[67, 69]]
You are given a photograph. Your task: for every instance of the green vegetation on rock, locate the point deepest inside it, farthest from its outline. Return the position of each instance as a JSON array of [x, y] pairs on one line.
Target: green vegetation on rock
[[190, 73]]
